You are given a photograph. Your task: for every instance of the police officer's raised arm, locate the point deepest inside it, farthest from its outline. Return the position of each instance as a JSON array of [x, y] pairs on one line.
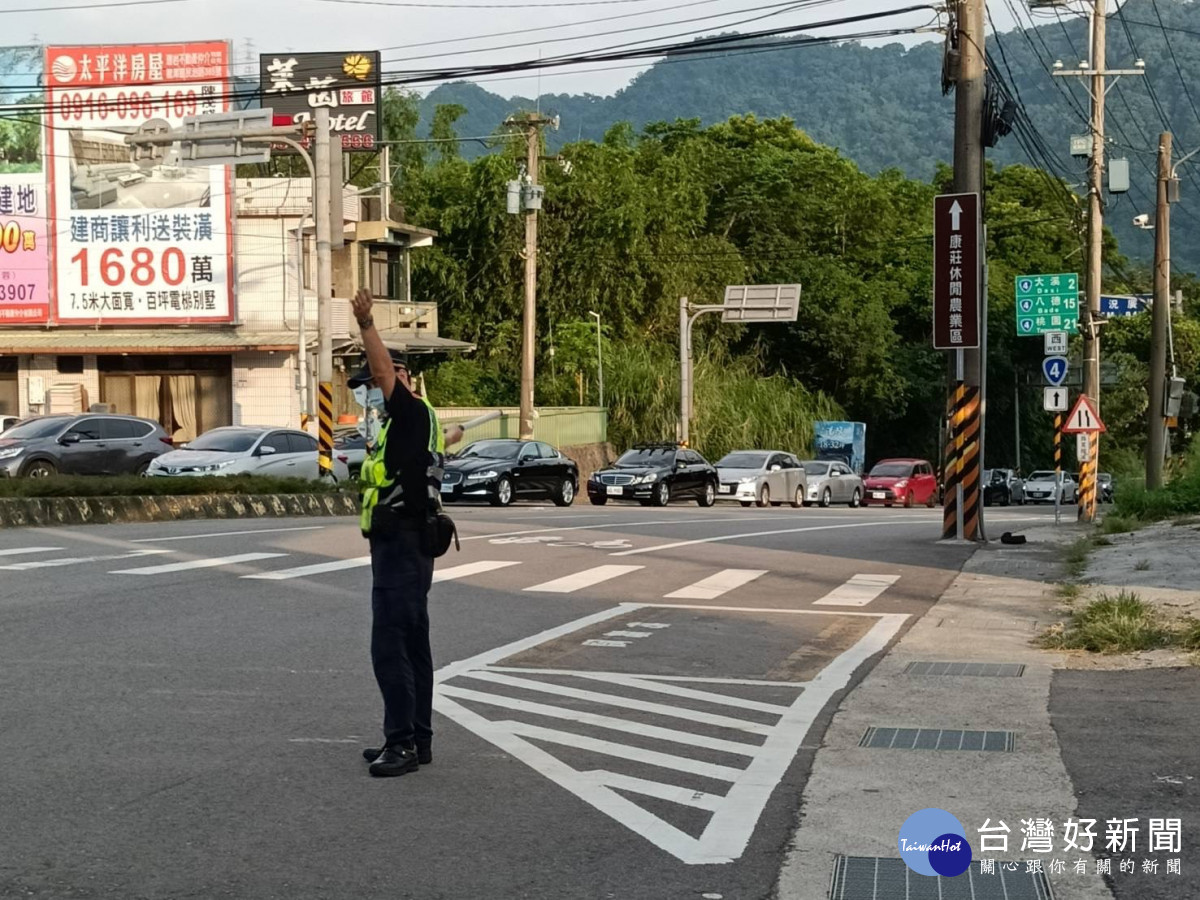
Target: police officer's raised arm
[[382, 368]]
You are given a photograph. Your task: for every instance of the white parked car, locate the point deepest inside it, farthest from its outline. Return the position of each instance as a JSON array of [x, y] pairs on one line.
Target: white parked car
[[7, 422], [762, 477], [1039, 487], [246, 450], [830, 482]]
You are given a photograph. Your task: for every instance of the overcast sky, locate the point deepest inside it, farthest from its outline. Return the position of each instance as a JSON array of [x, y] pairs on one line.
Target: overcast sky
[[415, 36]]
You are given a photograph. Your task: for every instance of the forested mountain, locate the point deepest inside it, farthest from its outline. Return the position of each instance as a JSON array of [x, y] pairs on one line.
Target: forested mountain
[[883, 106]]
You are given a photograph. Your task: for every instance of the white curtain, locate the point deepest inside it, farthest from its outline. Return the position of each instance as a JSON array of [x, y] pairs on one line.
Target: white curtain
[[183, 405], [145, 397]]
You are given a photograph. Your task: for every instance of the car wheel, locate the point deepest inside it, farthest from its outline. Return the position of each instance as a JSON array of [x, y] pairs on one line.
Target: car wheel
[[826, 498], [504, 492], [798, 498], [662, 494], [764, 496], [746, 503], [143, 469], [932, 501], [565, 495], [1007, 499], [597, 501], [856, 499], [40, 469], [709, 497], [908, 500]]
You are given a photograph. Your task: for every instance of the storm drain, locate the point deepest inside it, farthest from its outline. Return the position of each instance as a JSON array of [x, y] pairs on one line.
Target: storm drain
[[991, 670], [881, 878], [937, 739]]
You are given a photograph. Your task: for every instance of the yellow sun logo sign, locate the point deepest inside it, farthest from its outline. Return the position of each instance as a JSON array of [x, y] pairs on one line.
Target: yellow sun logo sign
[[357, 66]]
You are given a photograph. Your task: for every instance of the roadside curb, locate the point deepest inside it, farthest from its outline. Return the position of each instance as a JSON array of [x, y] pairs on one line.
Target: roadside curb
[[24, 512]]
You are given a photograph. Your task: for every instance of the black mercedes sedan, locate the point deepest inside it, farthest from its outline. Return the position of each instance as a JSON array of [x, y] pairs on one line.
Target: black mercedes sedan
[[654, 475], [503, 470]]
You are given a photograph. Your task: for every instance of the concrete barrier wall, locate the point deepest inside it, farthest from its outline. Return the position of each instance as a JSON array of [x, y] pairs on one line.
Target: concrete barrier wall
[[25, 512]]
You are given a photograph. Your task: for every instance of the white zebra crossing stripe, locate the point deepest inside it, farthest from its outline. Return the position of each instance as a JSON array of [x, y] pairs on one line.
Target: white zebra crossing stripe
[[210, 563], [468, 569], [714, 586], [858, 591], [580, 580], [17, 551], [338, 565], [77, 560]]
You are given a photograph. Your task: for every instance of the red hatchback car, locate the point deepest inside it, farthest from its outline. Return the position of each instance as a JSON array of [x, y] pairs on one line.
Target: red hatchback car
[[900, 481]]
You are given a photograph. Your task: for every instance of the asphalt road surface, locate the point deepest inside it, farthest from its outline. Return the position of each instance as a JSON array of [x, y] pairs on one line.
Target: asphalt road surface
[[628, 701]]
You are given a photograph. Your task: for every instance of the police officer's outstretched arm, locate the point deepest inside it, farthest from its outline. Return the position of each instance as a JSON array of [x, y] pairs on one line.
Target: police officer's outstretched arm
[[378, 358]]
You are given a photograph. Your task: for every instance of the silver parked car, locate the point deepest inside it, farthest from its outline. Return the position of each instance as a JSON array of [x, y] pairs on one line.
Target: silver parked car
[[1039, 487], [831, 482], [247, 450], [761, 476]]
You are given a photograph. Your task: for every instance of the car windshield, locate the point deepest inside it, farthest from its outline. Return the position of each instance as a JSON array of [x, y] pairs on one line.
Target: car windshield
[[661, 456], [892, 470], [492, 450], [36, 428], [1042, 476], [816, 468], [742, 461], [235, 441]]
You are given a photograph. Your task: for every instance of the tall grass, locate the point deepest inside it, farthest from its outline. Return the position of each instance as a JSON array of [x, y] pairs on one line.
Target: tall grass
[[737, 404], [1120, 624]]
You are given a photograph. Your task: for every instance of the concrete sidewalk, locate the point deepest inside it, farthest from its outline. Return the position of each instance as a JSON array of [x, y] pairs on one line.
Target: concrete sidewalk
[[857, 798]]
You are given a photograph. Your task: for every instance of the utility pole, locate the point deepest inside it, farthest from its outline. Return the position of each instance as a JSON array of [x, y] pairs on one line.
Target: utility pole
[[531, 197], [321, 191], [1159, 315], [964, 450]]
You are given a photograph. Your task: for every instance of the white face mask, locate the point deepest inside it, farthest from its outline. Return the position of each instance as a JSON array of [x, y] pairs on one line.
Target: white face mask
[[369, 398]]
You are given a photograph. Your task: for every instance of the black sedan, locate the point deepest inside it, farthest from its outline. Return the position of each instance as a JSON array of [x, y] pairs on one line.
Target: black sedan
[[654, 475], [501, 471]]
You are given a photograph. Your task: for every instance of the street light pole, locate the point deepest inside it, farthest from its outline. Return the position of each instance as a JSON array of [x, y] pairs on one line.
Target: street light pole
[[1156, 436], [322, 189], [599, 355]]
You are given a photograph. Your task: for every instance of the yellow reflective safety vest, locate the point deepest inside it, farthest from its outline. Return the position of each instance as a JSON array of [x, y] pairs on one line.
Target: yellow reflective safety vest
[[382, 488]]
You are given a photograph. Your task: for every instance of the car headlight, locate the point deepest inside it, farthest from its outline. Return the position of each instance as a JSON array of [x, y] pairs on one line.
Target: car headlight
[[749, 479], [216, 467], [901, 484], [10, 452], [481, 476], [647, 479]]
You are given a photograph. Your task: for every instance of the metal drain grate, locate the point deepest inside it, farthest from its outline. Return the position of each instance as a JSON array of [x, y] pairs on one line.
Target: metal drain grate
[[990, 670], [881, 878], [937, 739]]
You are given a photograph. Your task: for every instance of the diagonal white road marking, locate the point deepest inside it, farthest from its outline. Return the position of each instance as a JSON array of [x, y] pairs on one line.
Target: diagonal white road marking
[[337, 565], [209, 563], [468, 569], [580, 580], [858, 591], [17, 551], [714, 586], [78, 560]]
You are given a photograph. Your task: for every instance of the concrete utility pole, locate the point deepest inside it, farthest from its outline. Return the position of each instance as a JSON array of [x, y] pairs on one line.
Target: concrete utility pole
[[1159, 314], [532, 125], [964, 456], [322, 189]]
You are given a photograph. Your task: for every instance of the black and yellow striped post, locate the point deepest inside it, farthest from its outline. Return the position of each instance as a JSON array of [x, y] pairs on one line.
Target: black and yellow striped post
[[1057, 445], [960, 514], [325, 427], [1087, 479]]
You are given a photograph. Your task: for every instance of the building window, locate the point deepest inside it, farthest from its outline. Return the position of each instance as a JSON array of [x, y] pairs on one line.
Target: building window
[[386, 271], [70, 365]]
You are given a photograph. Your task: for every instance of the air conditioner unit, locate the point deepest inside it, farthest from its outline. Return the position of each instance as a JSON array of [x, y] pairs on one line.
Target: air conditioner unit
[[339, 318]]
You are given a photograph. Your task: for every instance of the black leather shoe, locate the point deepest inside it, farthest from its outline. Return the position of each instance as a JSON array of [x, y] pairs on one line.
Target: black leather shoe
[[424, 754], [394, 761]]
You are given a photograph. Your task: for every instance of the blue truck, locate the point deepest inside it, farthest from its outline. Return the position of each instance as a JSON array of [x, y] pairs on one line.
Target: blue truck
[[842, 441]]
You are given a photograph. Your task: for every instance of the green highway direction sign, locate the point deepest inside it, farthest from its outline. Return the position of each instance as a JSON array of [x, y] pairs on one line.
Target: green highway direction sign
[[1047, 303]]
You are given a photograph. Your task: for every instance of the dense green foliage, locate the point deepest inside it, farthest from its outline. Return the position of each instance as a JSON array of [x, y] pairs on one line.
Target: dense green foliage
[[137, 486], [636, 220], [883, 107]]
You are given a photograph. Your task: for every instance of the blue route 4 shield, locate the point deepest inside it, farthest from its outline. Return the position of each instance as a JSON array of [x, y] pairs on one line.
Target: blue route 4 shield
[[1055, 369]]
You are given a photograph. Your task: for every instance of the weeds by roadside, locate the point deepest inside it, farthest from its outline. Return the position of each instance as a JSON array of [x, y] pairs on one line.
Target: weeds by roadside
[[1121, 624], [1116, 524], [1068, 592], [1076, 556], [1142, 565], [135, 486]]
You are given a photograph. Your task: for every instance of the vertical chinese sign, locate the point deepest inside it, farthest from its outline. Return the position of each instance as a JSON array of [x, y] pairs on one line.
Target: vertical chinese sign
[[24, 278], [956, 271], [295, 84], [136, 243]]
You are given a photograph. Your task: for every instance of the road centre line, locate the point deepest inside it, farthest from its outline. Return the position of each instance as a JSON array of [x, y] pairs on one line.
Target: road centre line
[[750, 534], [213, 534]]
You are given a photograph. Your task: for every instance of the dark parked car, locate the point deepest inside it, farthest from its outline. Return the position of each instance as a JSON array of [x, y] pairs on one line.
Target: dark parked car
[[655, 474], [87, 444], [1003, 487], [501, 471]]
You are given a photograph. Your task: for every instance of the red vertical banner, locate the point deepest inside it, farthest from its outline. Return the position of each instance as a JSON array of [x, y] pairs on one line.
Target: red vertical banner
[[136, 243]]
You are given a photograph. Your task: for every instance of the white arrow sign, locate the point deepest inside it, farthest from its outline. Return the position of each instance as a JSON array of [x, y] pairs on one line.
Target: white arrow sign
[[955, 216], [1054, 399]]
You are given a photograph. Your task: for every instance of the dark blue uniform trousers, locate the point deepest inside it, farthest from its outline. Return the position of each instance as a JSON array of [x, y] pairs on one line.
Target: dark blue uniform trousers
[[402, 574]]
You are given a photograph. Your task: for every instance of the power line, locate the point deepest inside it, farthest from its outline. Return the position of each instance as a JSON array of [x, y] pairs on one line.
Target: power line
[[89, 7], [406, 4]]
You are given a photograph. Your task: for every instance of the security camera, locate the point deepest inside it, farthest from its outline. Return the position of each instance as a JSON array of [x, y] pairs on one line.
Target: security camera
[[1141, 221]]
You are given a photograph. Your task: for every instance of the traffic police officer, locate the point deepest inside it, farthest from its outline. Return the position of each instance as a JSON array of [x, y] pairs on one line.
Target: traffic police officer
[[401, 482]]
